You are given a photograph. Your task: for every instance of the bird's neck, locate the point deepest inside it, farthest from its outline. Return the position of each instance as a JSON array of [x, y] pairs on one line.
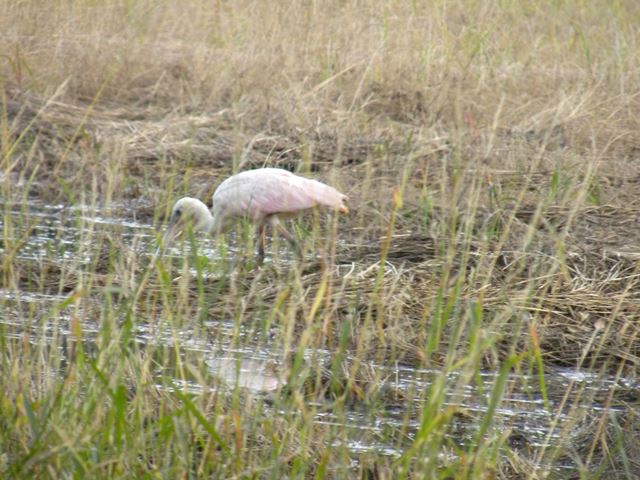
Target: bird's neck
[[209, 223], [201, 216]]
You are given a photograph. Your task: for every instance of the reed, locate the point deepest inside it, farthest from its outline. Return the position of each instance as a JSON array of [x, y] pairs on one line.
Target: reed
[[489, 153]]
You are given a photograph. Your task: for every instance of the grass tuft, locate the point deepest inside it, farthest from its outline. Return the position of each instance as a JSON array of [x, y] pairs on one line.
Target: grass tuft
[[474, 316]]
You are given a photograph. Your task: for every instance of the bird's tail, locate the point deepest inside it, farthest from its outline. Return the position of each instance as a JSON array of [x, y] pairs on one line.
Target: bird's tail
[[330, 197]]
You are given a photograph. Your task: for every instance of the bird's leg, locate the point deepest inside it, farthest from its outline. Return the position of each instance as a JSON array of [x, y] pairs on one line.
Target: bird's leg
[[290, 238], [261, 241]]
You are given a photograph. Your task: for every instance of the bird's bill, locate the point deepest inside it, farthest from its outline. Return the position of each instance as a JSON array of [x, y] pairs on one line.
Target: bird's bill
[[169, 236]]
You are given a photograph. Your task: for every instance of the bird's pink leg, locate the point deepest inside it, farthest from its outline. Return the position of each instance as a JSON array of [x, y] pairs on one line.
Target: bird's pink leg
[[261, 242], [285, 233]]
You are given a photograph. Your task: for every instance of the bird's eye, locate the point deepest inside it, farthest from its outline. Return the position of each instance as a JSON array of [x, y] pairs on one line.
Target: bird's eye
[[178, 212]]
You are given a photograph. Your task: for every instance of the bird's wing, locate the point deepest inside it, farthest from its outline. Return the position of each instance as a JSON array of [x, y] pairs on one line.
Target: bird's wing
[[268, 191]]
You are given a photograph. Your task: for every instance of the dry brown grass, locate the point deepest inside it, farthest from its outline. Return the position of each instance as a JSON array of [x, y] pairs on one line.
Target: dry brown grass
[[511, 131]]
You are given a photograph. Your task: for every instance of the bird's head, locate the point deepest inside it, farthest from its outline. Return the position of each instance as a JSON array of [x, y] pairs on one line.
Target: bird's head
[[186, 211]]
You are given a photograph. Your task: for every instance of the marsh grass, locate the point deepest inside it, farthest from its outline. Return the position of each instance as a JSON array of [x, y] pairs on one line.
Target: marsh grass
[[490, 155]]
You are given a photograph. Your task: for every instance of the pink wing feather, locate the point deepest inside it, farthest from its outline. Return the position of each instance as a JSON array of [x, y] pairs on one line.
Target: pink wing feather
[[270, 191]]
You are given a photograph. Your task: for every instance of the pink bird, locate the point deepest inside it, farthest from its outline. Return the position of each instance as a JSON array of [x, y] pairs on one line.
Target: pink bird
[[263, 196]]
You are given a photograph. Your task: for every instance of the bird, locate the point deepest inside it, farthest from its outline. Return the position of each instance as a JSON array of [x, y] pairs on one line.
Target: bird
[[264, 196]]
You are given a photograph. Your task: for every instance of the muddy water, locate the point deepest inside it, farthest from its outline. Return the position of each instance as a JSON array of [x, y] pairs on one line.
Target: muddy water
[[66, 235]]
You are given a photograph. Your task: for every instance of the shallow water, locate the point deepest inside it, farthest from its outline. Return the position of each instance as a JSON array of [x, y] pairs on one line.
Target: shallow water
[[240, 358]]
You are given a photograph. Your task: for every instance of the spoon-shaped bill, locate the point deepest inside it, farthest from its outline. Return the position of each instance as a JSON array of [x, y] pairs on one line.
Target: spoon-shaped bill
[[168, 237]]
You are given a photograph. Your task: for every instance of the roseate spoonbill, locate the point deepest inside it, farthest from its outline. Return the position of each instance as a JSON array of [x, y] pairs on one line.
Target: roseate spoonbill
[[263, 196]]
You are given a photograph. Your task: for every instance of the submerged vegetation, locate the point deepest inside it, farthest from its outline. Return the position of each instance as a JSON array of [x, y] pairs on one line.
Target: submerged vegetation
[[491, 154]]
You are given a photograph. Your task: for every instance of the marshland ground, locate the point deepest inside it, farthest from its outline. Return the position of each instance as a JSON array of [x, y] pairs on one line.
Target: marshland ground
[[491, 153]]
